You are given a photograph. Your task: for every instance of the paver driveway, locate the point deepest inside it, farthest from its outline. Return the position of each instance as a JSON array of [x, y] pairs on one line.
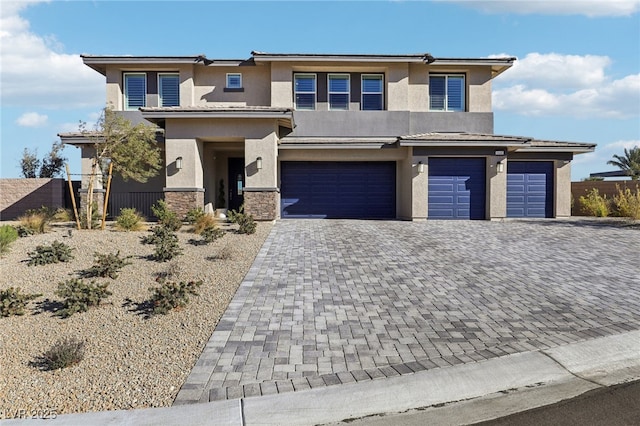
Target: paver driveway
[[331, 301]]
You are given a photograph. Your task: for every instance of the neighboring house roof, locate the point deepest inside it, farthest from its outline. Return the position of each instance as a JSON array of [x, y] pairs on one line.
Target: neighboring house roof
[[615, 173]]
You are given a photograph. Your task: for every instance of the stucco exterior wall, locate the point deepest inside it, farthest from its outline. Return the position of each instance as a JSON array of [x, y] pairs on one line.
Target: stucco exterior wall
[[210, 83]]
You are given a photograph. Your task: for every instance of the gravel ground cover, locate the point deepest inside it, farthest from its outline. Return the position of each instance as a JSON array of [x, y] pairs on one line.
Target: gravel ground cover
[[132, 360]]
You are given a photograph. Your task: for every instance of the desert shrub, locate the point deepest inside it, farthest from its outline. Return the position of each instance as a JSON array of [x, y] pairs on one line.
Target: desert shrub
[[172, 295], [225, 253], [166, 242], [130, 220], [64, 353], [55, 253], [203, 222], [246, 224], [595, 204], [193, 215], [62, 215], [233, 215], [627, 203], [34, 222], [211, 233], [107, 265], [8, 234], [12, 302], [80, 296], [166, 216]]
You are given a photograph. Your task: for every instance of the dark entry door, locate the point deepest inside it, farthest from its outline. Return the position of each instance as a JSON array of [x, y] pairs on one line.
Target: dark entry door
[[236, 183]]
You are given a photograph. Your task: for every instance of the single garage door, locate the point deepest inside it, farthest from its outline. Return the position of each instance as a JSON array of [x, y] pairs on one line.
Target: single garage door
[[529, 189], [352, 190], [457, 188]]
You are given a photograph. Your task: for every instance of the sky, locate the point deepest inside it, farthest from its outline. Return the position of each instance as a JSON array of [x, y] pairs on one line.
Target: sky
[[577, 77]]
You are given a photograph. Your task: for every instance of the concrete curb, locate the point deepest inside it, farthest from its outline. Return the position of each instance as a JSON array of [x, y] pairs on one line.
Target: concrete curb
[[555, 374]]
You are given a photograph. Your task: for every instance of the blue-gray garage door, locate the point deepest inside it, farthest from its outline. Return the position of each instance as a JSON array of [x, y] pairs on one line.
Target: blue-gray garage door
[[530, 189], [457, 188], [351, 190]]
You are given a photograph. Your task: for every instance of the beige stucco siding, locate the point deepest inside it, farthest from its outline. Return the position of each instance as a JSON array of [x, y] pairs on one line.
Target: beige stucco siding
[[210, 83]]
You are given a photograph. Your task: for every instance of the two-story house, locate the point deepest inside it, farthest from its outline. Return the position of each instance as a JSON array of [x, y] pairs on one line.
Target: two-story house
[[335, 136]]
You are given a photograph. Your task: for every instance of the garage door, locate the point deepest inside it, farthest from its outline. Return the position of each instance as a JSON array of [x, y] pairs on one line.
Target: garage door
[[529, 189], [457, 188], [351, 190]]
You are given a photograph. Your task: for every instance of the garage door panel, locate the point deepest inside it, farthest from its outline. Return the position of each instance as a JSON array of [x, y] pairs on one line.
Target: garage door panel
[[456, 188], [338, 189], [529, 189]]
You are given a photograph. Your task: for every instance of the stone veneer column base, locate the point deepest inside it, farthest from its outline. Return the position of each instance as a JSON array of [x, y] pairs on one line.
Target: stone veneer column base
[[182, 200], [98, 198], [261, 203]]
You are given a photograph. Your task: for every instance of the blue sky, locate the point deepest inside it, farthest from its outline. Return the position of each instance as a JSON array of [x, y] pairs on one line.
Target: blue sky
[[577, 77]]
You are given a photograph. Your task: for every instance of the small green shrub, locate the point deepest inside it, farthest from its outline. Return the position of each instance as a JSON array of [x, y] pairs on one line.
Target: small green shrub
[[8, 234], [23, 231], [246, 223], [34, 222], [172, 295], [107, 265], [130, 220], [62, 215], [12, 302], [627, 203], [595, 204], [211, 233], [203, 222], [165, 216], [233, 215], [64, 353], [193, 215], [80, 296], [166, 242], [55, 253]]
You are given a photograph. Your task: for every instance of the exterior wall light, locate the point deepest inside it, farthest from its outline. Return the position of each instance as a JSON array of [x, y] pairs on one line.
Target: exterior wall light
[[420, 167], [259, 163], [500, 166], [179, 163]]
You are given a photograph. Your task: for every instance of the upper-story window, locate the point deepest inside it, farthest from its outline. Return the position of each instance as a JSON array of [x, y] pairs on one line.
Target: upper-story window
[[305, 91], [372, 93], [234, 81], [169, 89], [446, 93], [339, 88], [135, 90]]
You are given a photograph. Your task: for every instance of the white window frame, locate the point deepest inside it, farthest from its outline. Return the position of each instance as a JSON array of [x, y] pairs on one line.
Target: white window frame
[[228, 82], [381, 92], [315, 91], [160, 75], [348, 91], [125, 91], [446, 92]]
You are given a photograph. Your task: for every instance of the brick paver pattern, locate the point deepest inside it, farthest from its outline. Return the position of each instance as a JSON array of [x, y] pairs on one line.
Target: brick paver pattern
[[328, 302]]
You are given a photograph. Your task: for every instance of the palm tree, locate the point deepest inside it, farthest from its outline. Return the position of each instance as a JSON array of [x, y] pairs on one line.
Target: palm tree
[[630, 162]]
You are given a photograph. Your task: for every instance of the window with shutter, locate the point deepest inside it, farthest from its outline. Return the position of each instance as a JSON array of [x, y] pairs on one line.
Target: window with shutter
[[339, 91], [446, 93], [372, 94], [234, 81], [169, 85], [135, 90], [305, 91]]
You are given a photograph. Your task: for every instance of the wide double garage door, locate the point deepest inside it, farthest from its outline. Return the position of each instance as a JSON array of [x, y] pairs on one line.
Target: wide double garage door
[[347, 190], [530, 189]]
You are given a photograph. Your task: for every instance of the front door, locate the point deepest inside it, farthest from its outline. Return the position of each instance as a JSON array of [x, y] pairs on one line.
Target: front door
[[236, 183]]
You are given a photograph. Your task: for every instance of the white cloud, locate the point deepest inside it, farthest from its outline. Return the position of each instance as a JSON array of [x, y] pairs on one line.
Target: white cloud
[[590, 8], [32, 119], [35, 73], [567, 85], [596, 161]]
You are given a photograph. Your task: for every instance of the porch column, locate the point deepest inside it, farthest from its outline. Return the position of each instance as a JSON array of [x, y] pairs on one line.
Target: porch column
[[261, 193], [184, 190], [562, 188], [98, 191]]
